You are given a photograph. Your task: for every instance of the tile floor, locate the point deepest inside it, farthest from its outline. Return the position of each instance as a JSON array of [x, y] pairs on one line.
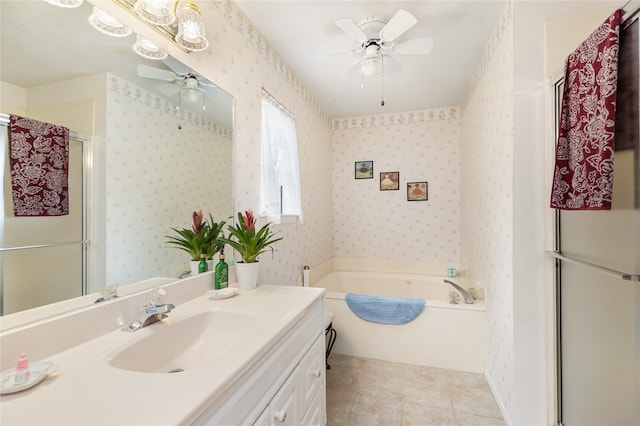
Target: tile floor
[[369, 392]]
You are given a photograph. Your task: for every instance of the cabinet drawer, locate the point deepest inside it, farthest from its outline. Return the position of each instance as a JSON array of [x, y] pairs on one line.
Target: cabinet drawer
[[282, 409], [317, 411], [312, 373]]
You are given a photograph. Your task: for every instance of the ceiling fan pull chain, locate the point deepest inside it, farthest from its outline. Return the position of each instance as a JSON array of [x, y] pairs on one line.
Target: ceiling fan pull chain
[[179, 109], [382, 82]]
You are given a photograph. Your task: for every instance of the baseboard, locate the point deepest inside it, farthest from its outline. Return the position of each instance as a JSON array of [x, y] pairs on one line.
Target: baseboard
[[494, 391]]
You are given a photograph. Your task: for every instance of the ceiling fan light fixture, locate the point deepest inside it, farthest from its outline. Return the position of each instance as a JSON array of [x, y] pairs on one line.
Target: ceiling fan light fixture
[[147, 49], [370, 67], [191, 34], [107, 24], [157, 12], [66, 3]]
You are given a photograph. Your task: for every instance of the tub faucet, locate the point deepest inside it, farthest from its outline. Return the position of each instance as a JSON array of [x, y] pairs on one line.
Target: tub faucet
[[467, 297], [154, 311]]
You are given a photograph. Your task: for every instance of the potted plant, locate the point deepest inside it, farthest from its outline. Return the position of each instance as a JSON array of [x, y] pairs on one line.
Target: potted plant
[[213, 237], [249, 244], [202, 238]]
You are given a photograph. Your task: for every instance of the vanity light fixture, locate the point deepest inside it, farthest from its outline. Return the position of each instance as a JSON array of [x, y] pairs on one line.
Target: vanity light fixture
[[157, 12], [106, 24], [65, 3], [146, 49], [190, 34]]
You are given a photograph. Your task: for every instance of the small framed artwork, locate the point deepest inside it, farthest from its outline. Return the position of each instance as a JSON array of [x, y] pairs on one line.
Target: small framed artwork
[[364, 169], [389, 181], [417, 191]]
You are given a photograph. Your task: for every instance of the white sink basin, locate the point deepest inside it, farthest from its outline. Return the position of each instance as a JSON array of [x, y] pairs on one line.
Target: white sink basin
[[179, 346]]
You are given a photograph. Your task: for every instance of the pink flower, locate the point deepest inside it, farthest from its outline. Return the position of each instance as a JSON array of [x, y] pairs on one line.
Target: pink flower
[[249, 221], [197, 222]]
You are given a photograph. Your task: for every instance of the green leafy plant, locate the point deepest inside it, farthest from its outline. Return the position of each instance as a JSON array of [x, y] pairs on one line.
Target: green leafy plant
[[214, 235], [203, 237], [246, 241]]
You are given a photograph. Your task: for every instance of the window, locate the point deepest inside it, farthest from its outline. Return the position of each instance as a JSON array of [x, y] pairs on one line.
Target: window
[[280, 179]]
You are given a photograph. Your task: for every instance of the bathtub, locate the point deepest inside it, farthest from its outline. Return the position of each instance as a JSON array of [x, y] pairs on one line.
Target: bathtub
[[444, 335]]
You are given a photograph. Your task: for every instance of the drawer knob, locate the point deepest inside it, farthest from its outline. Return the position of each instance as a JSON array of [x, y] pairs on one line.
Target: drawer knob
[[316, 373], [281, 416]]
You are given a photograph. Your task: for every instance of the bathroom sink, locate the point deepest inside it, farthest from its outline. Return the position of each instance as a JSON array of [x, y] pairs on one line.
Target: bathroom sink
[[176, 347]]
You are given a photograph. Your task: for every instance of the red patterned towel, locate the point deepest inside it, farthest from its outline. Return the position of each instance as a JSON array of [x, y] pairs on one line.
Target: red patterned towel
[[39, 167], [583, 177]]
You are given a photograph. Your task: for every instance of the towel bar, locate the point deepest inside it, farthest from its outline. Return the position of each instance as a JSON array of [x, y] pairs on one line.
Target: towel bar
[[611, 272]]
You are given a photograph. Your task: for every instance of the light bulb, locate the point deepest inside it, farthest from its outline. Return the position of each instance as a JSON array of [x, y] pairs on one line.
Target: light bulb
[[369, 67]]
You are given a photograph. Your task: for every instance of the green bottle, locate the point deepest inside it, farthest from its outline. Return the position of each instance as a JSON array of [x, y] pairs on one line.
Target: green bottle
[[222, 273], [202, 266]]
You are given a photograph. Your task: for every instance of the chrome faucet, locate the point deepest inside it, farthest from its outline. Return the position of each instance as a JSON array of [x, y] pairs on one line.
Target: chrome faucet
[[468, 298], [154, 311]]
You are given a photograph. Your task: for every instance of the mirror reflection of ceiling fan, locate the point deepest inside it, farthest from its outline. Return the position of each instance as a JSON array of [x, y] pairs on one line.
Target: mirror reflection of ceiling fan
[[181, 80], [377, 40]]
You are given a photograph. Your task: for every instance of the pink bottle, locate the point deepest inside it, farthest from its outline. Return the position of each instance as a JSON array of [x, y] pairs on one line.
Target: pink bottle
[[22, 370]]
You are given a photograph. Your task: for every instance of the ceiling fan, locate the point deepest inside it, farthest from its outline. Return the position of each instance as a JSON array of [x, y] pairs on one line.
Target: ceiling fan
[[377, 40], [180, 80]]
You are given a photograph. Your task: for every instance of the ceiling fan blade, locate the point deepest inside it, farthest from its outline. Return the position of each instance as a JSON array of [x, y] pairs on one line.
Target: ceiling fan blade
[[168, 89], [398, 25], [156, 73], [391, 66], [353, 30], [339, 52], [415, 46], [176, 66], [204, 82], [355, 65]]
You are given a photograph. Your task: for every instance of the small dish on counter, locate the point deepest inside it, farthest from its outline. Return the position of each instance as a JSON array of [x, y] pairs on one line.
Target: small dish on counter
[[38, 372], [223, 293]]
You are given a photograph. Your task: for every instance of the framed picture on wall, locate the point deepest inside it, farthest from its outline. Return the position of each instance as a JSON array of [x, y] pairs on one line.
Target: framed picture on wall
[[417, 191], [389, 181], [364, 169]]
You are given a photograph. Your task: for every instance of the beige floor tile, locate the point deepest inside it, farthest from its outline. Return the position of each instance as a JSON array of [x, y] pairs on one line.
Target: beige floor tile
[[369, 392], [370, 410], [434, 396], [471, 420], [420, 415], [477, 401]]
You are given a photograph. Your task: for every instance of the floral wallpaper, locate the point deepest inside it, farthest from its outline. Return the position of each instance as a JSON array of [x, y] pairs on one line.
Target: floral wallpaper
[[156, 176], [370, 223], [245, 63], [487, 195]]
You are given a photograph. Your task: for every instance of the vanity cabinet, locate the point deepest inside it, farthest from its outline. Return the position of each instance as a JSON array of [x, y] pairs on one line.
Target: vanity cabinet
[[301, 399], [267, 363], [284, 386]]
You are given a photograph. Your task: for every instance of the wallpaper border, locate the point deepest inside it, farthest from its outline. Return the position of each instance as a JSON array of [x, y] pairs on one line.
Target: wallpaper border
[[121, 87], [396, 119], [505, 23]]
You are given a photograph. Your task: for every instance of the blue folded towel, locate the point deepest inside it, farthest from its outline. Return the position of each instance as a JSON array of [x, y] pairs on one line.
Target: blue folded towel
[[384, 310]]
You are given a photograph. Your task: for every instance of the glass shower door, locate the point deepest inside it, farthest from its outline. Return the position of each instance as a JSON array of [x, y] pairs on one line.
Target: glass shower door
[[43, 259]]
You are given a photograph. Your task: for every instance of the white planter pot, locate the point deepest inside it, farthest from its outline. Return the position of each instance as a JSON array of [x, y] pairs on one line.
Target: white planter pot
[[193, 265], [247, 275]]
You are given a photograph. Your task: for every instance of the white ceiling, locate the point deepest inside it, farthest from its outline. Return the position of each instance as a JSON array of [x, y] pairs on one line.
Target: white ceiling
[[299, 30]]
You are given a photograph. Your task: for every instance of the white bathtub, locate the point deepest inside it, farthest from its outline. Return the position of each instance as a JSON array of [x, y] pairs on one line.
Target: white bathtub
[[443, 335]]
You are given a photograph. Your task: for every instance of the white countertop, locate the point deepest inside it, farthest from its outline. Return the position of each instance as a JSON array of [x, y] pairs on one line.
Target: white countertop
[[86, 390]]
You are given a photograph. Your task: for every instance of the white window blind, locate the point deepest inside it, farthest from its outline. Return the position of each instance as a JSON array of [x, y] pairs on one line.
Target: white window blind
[[280, 178]]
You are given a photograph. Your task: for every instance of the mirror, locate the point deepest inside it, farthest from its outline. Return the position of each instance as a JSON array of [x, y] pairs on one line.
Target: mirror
[[149, 164]]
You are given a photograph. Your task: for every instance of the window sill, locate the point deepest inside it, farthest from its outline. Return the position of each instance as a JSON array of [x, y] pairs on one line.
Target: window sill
[[286, 219]]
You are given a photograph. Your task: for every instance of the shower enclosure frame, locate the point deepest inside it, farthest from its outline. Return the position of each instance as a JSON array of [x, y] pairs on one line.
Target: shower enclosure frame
[[83, 242]]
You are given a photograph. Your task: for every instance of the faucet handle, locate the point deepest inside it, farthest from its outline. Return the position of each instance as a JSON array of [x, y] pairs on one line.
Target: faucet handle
[[158, 296]]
